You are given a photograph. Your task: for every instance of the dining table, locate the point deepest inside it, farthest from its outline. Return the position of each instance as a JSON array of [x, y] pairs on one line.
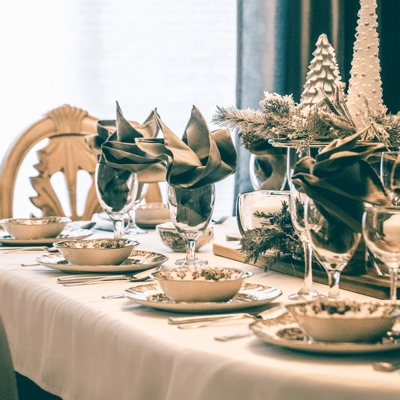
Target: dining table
[[77, 345]]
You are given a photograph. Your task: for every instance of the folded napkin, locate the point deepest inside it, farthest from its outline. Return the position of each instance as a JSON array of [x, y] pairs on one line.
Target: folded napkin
[[200, 158], [340, 181], [115, 142]]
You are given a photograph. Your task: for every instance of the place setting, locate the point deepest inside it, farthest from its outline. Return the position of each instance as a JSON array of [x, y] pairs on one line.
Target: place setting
[[42, 231]]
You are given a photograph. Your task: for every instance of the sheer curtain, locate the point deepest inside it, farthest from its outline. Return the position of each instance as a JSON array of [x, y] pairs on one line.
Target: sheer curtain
[[89, 54], [276, 39]]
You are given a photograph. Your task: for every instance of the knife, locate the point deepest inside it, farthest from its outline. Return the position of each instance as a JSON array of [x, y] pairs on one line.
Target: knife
[[90, 279], [205, 320]]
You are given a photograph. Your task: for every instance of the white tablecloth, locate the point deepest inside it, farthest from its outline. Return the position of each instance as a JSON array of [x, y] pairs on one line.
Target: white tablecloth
[[77, 345]]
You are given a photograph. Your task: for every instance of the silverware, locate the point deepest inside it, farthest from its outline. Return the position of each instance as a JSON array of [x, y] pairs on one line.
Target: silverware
[[114, 296], [92, 279], [206, 320], [50, 249], [238, 335], [386, 366]]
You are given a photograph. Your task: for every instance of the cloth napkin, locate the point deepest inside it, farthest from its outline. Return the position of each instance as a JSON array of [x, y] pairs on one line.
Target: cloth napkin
[[340, 181], [115, 143], [202, 157]]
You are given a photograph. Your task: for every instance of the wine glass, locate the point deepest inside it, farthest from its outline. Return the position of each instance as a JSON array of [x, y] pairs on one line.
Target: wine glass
[[140, 195], [333, 242], [297, 202], [390, 174], [191, 211], [116, 190], [381, 230]]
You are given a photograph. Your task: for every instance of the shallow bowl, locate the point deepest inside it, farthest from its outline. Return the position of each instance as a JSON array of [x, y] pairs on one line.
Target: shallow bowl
[[170, 236], [345, 320], [96, 251], [151, 214], [209, 284], [34, 228]]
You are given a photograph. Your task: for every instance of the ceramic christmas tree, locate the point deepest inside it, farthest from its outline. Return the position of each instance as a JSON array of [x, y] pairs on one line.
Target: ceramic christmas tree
[[323, 74], [365, 83]]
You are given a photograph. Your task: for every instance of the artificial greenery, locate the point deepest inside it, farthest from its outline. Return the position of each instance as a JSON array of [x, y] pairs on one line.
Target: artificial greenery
[[280, 117], [276, 233]]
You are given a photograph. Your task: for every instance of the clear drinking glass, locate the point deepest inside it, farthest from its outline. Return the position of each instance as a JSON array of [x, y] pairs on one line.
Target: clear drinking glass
[[390, 174], [116, 190], [297, 204], [381, 230], [333, 243], [140, 195], [191, 211], [267, 201]]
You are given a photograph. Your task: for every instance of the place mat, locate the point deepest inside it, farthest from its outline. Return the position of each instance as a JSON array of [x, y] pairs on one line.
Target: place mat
[[368, 284]]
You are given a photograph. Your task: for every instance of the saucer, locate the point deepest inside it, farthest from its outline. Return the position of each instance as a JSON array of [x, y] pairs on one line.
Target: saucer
[[137, 261], [251, 295], [284, 331], [68, 233]]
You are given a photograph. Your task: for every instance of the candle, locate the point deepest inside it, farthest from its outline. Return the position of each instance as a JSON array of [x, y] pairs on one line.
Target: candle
[[271, 204]]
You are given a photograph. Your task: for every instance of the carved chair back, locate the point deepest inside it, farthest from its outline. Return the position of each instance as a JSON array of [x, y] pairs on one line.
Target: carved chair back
[[66, 152]]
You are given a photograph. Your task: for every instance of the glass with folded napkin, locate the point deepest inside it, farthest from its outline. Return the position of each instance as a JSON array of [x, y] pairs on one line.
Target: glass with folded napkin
[[340, 181], [194, 163], [121, 161]]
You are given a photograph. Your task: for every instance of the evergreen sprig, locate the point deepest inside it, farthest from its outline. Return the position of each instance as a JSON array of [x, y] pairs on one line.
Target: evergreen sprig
[[281, 117], [276, 233]]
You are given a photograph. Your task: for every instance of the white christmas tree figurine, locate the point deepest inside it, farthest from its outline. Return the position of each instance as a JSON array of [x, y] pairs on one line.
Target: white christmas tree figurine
[[323, 74], [365, 81]]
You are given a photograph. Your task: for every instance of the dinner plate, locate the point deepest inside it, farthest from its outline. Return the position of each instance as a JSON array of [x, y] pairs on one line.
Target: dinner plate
[[283, 331], [137, 261], [251, 295], [69, 233]]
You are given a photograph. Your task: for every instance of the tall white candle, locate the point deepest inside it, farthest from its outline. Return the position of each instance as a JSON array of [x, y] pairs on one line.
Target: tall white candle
[[271, 204]]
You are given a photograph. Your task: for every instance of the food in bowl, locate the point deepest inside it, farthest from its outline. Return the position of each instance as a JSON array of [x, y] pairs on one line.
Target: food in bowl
[[170, 236], [208, 284], [34, 228], [96, 251], [345, 320]]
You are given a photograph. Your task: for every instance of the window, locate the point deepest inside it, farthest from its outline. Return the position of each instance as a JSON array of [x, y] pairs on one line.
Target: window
[[90, 54]]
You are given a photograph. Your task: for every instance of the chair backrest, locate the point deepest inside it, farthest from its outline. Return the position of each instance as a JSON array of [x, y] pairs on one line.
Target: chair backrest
[[66, 152]]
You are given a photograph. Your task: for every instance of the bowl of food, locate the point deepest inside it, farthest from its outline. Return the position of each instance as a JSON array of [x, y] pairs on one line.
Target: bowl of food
[[151, 214], [208, 284], [34, 228], [345, 320], [96, 251], [170, 236]]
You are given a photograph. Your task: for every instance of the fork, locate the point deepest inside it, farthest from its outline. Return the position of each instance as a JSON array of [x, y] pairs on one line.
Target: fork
[[89, 279], [50, 249]]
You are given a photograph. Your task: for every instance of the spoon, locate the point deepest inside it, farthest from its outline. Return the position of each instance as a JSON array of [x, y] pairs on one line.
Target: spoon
[[386, 366]]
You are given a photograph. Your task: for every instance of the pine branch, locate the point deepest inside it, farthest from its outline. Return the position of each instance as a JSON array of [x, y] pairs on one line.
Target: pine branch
[[276, 233]]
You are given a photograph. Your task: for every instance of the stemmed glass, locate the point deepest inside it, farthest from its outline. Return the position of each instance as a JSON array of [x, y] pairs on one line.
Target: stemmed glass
[[116, 190], [191, 211], [381, 230], [332, 241], [390, 174], [297, 203], [140, 195]]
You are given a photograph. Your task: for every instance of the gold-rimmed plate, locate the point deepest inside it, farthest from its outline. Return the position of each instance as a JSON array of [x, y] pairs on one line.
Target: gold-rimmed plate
[[283, 331], [251, 295], [137, 261], [69, 233]]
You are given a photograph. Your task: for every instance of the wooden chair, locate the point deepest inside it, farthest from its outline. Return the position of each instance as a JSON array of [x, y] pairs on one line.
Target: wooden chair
[[66, 152]]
